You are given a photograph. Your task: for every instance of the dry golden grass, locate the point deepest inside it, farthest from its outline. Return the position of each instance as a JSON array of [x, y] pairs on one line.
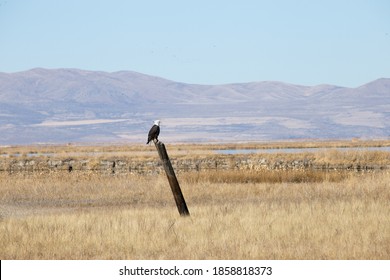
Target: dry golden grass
[[264, 176], [362, 157], [95, 216]]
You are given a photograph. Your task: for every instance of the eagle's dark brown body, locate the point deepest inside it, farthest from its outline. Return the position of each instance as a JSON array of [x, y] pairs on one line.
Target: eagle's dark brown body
[[153, 133]]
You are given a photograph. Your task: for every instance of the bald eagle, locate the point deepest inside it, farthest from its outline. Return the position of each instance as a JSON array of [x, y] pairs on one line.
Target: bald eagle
[[154, 131]]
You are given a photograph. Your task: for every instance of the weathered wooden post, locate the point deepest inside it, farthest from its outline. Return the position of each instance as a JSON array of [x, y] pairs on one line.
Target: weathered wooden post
[[175, 187]]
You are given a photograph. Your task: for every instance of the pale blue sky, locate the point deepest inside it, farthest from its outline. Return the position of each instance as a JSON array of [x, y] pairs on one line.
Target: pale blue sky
[[345, 43]]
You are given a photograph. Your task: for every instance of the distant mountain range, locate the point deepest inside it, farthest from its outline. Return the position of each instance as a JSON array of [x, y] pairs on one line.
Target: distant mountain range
[[71, 105]]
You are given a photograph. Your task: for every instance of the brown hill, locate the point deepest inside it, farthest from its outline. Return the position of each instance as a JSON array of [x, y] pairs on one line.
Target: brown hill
[[71, 105]]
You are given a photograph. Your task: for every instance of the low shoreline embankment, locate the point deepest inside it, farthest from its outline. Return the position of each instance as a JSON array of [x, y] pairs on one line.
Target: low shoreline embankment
[[136, 165]]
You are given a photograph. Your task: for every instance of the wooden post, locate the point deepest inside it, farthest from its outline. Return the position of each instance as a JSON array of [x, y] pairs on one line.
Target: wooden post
[[175, 187]]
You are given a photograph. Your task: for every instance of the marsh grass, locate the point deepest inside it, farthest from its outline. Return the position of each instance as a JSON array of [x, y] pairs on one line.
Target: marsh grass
[[96, 216], [179, 149]]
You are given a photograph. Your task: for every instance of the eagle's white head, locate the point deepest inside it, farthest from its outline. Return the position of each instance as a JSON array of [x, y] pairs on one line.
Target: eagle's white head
[[157, 122]]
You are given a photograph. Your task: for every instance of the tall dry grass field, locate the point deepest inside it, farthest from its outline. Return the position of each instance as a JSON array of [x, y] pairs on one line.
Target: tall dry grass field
[[234, 215]]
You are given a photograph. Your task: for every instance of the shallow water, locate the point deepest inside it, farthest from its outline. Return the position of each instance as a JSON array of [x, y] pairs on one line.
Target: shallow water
[[297, 150]]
